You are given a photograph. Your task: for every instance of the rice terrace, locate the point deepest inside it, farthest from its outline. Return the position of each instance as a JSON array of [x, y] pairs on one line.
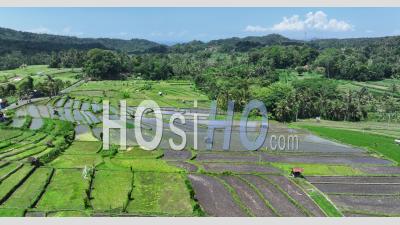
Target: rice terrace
[[331, 149]]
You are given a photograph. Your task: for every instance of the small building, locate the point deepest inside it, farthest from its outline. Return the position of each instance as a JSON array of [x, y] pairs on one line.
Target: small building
[[297, 172]]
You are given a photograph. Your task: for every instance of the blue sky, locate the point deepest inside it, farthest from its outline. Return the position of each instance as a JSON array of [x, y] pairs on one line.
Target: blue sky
[[171, 25]]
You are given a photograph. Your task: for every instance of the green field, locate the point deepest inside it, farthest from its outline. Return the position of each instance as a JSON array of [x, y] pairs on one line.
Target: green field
[[138, 153], [319, 169], [111, 189], [12, 181], [326, 205], [380, 128], [180, 94], [84, 148], [160, 193], [38, 73], [76, 161], [142, 165], [66, 191], [8, 134], [28, 193], [375, 87], [380, 144], [137, 182], [8, 168]]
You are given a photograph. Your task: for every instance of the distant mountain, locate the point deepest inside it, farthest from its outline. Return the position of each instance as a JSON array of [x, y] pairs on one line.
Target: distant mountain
[[237, 44], [390, 41], [31, 43], [131, 46], [26, 42]]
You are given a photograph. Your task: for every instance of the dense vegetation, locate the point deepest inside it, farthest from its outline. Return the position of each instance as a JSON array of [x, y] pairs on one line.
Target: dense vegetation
[[17, 48], [236, 69]]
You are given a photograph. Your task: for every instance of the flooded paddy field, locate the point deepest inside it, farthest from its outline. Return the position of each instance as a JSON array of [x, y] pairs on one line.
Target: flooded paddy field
[[234, 182]]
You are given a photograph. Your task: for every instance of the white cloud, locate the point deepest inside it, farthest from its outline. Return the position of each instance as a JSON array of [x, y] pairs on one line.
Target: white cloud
[[294, 23], [256, 28], [312, 21]]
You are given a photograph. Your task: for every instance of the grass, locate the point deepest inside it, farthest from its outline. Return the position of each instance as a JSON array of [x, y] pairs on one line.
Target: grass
[[38, 73], [76, 161], [322, 201], [26, 154], [157, 193], [12, 181], [380, 144], [141, 165], [174, 94], [12, 212], [68, 213], [319, 169], [65, 191], [138, 153], [83, 147], [8, 134], [7, 169], [380, 128], [375, 87], [27, 194], [325, 205], [110, 190], [85, 136]]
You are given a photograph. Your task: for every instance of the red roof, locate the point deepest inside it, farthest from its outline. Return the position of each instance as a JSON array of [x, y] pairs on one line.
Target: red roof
[[297, 170]]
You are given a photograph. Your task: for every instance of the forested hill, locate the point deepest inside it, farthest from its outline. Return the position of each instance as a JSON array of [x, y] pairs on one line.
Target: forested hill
[[32, 43], [391, 41], [247, 43], [235, 43]]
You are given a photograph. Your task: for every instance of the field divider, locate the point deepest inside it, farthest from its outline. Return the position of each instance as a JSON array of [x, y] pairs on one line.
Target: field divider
[[266, 202], [39, 196], [17, 185], [297, 204], [129, 195], [4, 164], [308, 195], [371, 214], [362, 194], [309, 190], [7, 139], [18, 158], [20, 145], [197, 209], [355, 183], [87, 199], [235, 196], [19, 151], [11, 172]]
